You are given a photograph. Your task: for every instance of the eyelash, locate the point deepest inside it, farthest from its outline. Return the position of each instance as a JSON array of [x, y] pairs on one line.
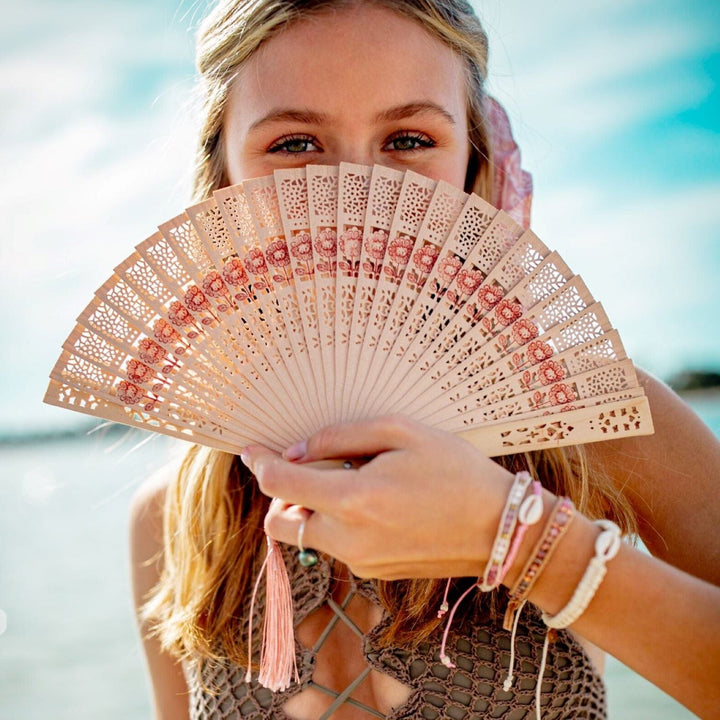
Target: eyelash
[[281, 145], [420, 141]]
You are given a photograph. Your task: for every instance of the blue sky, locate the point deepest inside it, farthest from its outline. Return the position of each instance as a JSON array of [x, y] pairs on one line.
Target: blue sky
[[615, 104]]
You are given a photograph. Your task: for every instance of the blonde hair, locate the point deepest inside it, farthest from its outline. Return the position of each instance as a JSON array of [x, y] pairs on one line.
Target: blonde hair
[[236, 28], [213, 518]]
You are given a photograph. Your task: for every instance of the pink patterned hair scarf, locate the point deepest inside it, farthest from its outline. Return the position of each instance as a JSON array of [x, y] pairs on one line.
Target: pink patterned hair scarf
[[512, 186]]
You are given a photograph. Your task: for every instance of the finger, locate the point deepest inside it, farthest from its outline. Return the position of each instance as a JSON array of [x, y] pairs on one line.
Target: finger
[[356, 439], [321, 532], [309, 486]]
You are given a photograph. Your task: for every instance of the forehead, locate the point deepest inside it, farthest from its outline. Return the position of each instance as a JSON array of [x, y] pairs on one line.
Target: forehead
[[364, 54]]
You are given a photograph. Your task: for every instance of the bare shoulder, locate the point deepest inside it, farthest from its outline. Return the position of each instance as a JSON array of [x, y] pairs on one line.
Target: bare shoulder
[[146, 529], [671, 477], [147, 502], [170, 690]]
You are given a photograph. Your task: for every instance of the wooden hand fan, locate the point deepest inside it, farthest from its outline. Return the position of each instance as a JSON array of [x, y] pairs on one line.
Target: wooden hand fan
[[331, 293]]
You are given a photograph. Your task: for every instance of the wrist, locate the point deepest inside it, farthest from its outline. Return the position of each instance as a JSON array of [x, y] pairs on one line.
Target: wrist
[[560, 576]]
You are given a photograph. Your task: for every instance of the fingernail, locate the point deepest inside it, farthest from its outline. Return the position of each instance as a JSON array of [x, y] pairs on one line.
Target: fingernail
[[245, 457], [297, 451]]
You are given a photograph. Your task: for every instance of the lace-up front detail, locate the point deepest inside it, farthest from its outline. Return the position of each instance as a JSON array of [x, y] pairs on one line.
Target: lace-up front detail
[[345, 675]]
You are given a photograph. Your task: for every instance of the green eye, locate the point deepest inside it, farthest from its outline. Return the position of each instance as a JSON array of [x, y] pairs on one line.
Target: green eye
[[294, 144], [408, 141]]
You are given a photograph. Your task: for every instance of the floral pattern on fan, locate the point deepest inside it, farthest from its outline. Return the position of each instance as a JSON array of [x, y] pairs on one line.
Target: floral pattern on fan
[[329, 293]]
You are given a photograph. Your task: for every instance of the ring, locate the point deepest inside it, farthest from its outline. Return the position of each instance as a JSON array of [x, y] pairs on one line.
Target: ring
[[306, 557]]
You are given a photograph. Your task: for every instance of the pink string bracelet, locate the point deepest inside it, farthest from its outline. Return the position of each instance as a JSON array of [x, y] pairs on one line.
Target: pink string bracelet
[[501, 545], [529, 514], [498, 553]]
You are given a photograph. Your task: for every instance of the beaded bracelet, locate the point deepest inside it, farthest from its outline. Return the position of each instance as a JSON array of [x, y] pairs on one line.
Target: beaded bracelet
[[555, 528], [607, 546], [529, 514], [501, 544]]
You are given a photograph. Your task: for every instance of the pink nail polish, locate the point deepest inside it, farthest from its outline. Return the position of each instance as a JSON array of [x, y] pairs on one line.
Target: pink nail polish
[[297, 451]]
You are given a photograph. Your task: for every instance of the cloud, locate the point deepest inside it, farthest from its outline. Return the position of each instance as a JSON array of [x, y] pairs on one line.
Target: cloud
[[582, 72], [652, 262]]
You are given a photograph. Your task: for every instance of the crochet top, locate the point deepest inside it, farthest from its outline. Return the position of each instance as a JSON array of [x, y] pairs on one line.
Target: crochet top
[[477, 645]]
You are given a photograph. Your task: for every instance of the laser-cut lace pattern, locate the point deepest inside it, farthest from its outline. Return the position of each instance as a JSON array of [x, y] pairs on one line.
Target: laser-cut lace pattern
[[324, 294]]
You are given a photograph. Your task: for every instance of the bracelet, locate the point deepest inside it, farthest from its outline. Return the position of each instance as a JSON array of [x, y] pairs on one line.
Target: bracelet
[[555, 528], [607, 546], [529, 514], [492, 576]]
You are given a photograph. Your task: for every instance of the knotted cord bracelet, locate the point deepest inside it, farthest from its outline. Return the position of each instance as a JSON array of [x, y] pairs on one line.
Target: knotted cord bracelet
[[607, 546], [500, 547], [555, 528], [501, 544], [529, 514]]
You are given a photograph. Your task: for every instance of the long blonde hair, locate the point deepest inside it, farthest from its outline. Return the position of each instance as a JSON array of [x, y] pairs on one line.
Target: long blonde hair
[[213, 519]]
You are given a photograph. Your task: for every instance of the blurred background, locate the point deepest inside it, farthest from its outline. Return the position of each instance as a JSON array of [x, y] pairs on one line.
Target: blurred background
[[615, 105]]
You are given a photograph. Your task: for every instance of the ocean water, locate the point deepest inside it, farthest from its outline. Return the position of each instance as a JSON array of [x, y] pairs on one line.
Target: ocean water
[[68, 646]]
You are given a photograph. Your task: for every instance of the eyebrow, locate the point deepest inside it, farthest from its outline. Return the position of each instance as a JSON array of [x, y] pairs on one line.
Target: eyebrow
[[399, 112]]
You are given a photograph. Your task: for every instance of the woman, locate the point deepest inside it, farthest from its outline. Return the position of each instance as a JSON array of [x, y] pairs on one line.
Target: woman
[[401, 83]]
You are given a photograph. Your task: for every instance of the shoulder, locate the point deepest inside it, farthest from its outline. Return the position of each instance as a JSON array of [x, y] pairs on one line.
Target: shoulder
[[169, 686], [149, 496], [146, 528]]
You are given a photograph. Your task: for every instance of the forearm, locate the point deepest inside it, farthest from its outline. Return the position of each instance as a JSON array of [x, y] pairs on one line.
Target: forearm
[[660, 621]]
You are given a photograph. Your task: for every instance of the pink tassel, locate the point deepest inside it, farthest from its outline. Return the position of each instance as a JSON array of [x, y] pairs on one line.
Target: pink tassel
[[278, 666]]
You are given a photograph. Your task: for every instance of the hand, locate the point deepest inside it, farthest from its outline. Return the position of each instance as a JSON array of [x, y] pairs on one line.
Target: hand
[[426, 504]]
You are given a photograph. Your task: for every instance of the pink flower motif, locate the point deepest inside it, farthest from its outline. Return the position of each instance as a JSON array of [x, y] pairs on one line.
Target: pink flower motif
[[448, 268], [351, 244], [301, 247], [400, 249], [538, 351], [213, 285], [179, 315], [326, 243], [489, 296], [551, 372], [375, 245], [468, 281], [561, 394], [195, 299], [128, 393], [150, 352], [524, 330], [424, 258], [138, 372], [234, 273], [164, 332], [255, 261], [277, 253], [507, 312]]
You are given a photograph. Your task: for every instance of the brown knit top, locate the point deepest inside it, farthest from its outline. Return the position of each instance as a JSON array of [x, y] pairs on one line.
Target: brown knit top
[[477, 645]]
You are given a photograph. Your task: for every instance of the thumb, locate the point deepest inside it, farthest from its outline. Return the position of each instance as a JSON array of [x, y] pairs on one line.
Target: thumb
[[356, 439]]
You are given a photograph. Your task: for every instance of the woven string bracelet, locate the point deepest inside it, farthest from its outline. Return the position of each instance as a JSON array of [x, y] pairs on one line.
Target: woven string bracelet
[[498, 554], [607, 546], [501, 544], [555, 528], [492, 575], [529, 514]]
